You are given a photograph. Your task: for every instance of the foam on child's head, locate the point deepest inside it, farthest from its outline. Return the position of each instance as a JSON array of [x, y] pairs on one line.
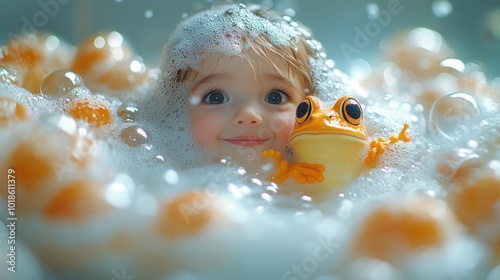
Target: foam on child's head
[[224, 30]]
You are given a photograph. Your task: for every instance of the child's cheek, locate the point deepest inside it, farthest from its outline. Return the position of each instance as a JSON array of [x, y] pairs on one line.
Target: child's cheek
[[204, 127], [281, 124]]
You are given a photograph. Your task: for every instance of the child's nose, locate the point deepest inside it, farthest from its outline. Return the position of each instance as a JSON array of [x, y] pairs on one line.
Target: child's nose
[[247, 115]]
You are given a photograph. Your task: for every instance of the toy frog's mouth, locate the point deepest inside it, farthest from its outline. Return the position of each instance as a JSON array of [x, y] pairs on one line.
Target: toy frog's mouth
[[355, 136]]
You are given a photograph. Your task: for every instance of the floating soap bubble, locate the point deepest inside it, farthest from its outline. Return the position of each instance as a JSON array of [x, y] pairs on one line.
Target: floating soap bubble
[[134, 136], [128, 112], [452, 114], [60, 82]]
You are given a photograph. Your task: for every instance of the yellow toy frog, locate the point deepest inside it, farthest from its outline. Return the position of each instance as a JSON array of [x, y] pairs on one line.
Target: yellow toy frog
[[328, 145]]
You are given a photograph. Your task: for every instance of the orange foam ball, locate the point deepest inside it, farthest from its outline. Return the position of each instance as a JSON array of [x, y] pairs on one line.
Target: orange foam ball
[[12, 112], [476, 201], [186, 215], [22, 52], [34, 56], [90, 111], [105, 60], [121, 77], [77, 201], [32, 167], [100, 51], [400, 228]]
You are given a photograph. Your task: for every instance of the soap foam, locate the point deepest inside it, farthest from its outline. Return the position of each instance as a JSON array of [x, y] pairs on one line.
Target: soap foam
[[261, 234]]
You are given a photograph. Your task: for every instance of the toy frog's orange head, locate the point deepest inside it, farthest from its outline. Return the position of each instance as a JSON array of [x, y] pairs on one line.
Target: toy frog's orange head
[[344, 119]]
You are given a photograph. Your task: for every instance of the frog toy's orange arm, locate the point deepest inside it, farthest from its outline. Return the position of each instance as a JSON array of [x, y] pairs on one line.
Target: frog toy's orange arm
[[379, 146], [303, 172]]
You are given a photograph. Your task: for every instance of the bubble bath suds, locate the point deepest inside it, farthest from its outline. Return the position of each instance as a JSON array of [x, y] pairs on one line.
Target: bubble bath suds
[[105, 182]]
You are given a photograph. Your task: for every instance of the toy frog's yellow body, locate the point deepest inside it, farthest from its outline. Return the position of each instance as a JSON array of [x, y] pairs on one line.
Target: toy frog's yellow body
[[330, 145]]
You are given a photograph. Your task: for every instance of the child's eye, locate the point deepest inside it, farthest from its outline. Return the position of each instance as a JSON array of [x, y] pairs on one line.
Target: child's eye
[[276, 97], [215, 97]]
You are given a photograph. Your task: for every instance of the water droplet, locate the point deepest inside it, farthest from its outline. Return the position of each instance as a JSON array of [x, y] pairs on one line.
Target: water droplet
[[171, 177], [241, 171], [115, 39], [52, 43], [306, 198], [194, 100], [148, 14], [452, 115], [159, 158], [127, 112], [442, 8], [119, 192], [134, 136], [372, 10], [60, 82], [266, 197]]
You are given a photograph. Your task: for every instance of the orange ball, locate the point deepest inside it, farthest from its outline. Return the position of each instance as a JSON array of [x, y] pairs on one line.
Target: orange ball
[[92, 111], [476, 201], [32, 165], [419, 51], [124, 76], [77, 201], [400, 228], [44, 156], [34, 56], [105, 60], [186, 215]]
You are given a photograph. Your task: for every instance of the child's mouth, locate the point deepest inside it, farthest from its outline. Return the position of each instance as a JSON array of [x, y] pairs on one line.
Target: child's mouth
[[247, 141]]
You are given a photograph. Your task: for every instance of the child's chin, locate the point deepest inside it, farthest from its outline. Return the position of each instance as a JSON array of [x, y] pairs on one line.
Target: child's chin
[[250, 161]]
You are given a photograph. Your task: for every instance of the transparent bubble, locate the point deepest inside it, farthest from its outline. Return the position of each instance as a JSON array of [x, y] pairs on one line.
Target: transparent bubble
[[134, 136], [60, 82], [148, 14], [10, 76], [452, 115], [127, 112]]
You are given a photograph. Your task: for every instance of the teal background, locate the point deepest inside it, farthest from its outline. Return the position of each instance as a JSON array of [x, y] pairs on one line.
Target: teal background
[[332, 22]]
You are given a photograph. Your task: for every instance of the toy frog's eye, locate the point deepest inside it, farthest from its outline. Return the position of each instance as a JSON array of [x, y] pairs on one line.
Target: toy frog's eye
[[304, 110], [352, 112]]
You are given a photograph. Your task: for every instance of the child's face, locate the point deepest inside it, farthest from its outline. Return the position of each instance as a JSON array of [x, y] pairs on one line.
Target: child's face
[[238, 111]]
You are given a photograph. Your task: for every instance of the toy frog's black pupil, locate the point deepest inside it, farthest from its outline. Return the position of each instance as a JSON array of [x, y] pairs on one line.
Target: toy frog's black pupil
[[302, 109], [353, 111]]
